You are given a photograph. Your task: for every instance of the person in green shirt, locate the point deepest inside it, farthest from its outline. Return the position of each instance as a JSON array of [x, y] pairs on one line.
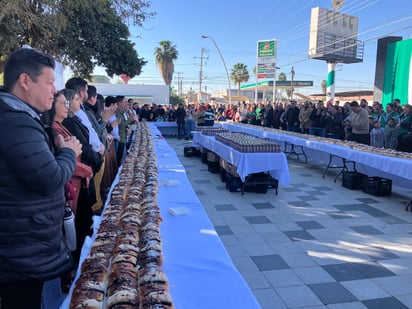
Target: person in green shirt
[[389, 121], [404, 127], [126, 119]]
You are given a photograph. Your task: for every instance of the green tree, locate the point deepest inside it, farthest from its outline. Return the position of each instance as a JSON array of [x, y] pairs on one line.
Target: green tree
[[174, 98], [282, 76], [165, 54], [27, 22], [80, 34], [239, 74], [103, 79], [105, 44], [136, 11]]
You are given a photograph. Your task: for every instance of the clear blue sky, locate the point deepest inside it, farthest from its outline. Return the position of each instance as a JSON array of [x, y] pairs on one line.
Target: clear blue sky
[[236, 26]]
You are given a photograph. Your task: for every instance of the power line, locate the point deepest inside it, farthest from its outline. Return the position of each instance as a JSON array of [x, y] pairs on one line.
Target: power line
[[179, 83], [355, 8], [202, 57], [300, 28], [366, 40], [299, 31]]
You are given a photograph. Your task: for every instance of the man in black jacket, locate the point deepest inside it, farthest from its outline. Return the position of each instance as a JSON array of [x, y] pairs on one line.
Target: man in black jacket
[[180, 120], [318, 118], [32, 179], [292, 117], [268, 116]]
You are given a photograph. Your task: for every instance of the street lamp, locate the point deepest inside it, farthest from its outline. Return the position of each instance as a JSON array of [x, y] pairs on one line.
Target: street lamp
[[224, 64], [291, 83]]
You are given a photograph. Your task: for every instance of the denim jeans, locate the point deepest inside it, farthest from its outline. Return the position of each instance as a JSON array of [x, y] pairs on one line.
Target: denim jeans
[[180, 129], [293, 128], [189, 127], [317, 131]]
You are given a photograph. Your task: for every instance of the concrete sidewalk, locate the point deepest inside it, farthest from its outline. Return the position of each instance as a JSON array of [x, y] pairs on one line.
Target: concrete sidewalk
[[314, 245]]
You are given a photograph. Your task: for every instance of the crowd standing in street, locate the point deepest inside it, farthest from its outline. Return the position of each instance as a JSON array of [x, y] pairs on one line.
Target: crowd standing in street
[[353, 121], [67, 145]]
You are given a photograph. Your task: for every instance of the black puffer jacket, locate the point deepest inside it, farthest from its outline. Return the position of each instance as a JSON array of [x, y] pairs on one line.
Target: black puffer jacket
[[32, 180], [88, 156]]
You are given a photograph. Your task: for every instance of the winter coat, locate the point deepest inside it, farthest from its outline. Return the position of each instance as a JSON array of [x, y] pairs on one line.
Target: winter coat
[[318, 118], [180, 115], [334, 125], [292, 115], [304, 117], [88, 156], [125, 123], [32, 180]]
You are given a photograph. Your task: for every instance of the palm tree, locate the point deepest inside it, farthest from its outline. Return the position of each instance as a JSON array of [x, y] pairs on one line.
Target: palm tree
[[239, 74], [323, 86], [282, 76], [165, 54]]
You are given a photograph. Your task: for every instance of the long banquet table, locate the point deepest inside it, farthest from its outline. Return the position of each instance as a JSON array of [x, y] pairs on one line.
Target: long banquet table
[[247, 163], [397, 169], [200, 272], [167, 128]]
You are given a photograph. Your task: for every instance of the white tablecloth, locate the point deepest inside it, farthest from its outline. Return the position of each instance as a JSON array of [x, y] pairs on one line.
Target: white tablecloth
[[197, 265], [200, 271], [167, 128], [248, 163], [397, 169]]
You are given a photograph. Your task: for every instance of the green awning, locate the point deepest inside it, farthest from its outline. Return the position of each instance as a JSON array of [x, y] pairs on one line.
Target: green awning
[[265, 85]]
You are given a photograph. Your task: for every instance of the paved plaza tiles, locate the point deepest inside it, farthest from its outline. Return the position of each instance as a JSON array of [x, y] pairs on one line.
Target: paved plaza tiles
[[315, 244]]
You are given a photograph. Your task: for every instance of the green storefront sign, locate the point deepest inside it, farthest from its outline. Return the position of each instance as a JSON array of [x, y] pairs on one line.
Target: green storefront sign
[[267, 48], [279, 83]]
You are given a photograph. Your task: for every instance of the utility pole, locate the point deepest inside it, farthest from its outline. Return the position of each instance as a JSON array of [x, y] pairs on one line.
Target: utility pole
[[179, 83], [201, 72], [291, 84], [207, 97]]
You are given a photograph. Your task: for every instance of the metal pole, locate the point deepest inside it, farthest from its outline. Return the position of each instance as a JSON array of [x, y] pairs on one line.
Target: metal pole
[[330, 83], [224, 64], [291, 84], [257, 73], [199, 100], [274, 86]]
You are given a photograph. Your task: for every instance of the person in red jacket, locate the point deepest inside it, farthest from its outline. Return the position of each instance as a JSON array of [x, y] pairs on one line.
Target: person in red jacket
[[83, 173]]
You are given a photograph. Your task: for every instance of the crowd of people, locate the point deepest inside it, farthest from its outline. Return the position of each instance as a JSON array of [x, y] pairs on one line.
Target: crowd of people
[[370, 124], [60, 153], [62, 148]]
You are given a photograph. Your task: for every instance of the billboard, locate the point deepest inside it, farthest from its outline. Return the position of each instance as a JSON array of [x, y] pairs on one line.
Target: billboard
[[333, 37], [267, 51], [266, 75], [266, 58]]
